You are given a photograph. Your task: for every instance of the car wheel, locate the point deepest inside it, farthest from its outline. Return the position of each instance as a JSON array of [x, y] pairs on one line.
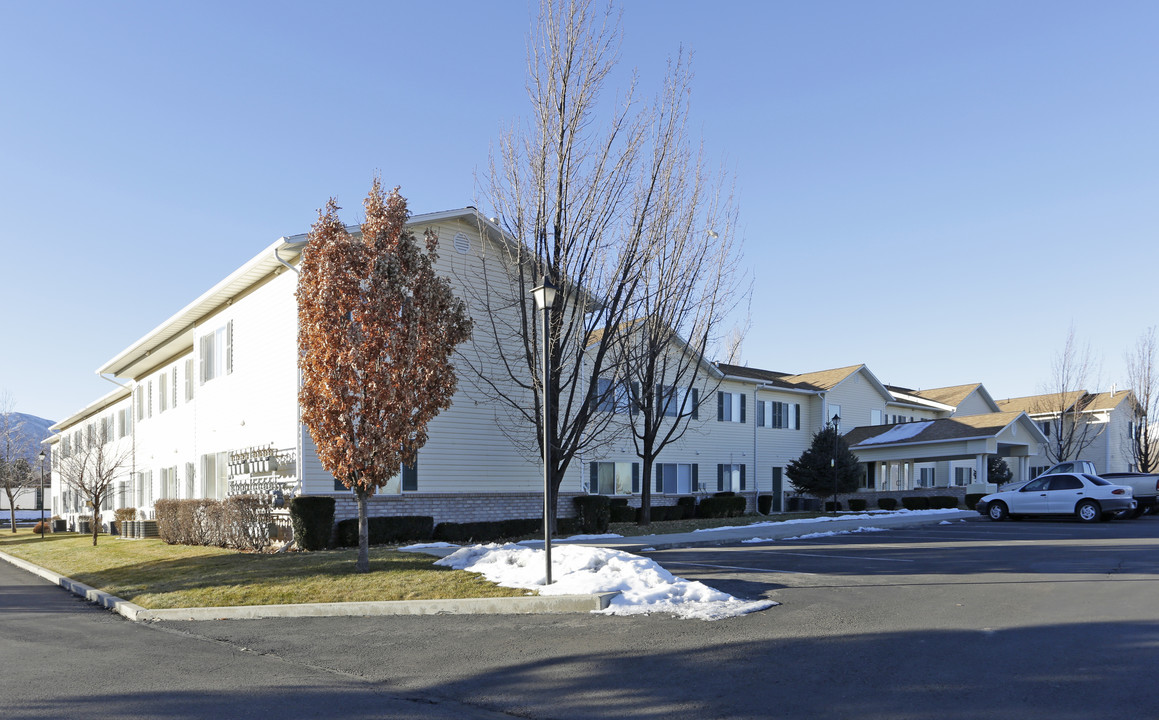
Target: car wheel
[[1088, 511], [997, 511]]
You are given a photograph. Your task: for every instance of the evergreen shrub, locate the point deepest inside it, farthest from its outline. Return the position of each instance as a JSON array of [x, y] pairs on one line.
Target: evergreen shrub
[[972, 500], [487, 531], [687, 505], [386, 530], [858, 504], [943, 502], [829, 506], [765, 504], [313, 519], [621, 512], [721, 507], [593, 513], [916, 502], [887, 503]]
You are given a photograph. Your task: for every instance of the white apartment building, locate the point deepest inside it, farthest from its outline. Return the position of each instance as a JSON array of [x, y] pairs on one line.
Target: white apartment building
[[208, 407]]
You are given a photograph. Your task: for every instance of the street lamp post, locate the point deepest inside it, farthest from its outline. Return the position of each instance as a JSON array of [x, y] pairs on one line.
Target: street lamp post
[[41, 494], [545, 294], [833, 461]]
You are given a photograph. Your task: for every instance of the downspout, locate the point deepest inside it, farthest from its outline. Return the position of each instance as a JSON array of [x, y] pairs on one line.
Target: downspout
[[756, 468], [279, 258]]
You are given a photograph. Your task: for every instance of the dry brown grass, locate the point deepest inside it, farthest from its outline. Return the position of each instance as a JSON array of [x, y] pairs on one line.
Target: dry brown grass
[[155, 575]]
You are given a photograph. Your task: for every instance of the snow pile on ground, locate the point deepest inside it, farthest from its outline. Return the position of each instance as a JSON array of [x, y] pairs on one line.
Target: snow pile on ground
[[873, 515], [810, 536], [644, 586]]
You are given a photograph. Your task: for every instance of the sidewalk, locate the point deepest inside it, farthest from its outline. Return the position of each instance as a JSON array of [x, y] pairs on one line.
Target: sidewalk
[[772, 530], [513, 605]]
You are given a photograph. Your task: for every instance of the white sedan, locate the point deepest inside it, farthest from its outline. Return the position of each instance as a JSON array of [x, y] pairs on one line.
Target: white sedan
[[1088, 497]]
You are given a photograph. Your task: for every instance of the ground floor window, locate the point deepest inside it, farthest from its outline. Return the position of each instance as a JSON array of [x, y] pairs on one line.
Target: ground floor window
[[676, 478], [730, 477], [963, 476], [926, 477], [405, 480], [1037, 470], [215, 474], [614, 478]]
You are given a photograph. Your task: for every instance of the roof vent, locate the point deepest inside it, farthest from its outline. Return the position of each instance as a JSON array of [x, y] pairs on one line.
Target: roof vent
[[462, 243]]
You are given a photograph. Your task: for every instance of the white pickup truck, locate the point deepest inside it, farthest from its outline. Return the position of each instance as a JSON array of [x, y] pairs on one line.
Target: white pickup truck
[[1144, 486]]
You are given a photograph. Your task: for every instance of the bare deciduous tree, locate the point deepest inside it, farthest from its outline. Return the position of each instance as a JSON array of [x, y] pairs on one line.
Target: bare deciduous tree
[[1143, 380], [1064, 400], [689, 282], [91, 467], [377, 328], [16, 449], [579, 193]]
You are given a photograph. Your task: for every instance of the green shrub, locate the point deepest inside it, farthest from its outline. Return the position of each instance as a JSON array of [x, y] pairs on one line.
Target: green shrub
[[720, 506], [858, 504], [313, 519], [764, 504], [622, 513], [687, 505], [618, 501], [916, 502], [488, 531], [829, 506], [593, 513], [386, 530], [943, 502], [887, 503], [724, 493], [972, 500], [662, 513]]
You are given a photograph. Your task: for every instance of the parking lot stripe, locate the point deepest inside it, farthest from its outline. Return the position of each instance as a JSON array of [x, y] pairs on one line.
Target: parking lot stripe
[[843, 557], [737, 567]]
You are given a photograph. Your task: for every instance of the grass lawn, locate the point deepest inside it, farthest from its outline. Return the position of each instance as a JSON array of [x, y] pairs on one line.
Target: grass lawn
[[155, 575]]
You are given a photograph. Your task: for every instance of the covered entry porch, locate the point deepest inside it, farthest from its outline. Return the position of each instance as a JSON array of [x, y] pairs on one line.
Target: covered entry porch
[[950, 452]]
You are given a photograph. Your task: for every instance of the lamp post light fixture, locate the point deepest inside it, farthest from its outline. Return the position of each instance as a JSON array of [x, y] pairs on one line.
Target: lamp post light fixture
[[41, 494], [833, 461], [545, 294]]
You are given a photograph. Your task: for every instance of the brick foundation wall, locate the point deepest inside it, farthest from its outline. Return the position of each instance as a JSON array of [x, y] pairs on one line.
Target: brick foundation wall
[[871, 496]]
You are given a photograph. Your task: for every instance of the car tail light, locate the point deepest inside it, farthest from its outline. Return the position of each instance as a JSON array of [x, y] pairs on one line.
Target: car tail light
[[1118, 491]]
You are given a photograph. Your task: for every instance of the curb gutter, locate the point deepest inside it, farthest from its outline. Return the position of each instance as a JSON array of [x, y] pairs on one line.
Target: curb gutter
[[551, 604]]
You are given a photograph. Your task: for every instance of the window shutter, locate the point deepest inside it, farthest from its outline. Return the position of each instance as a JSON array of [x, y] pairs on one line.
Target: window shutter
[[760, 414], [634, 400], [635, 478], [204, 351], [593, 397], [719, 477], [742, 399], [659, 477], [742, 486], [720, 407], [410, 477], [695, 477], [338, 486], [229, 347], [797, 417], [149, 409], [695, 404], [594, 477], [174, 383]]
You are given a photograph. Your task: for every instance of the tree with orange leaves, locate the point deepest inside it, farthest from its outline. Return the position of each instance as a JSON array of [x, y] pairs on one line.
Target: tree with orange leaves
[[376, 331]]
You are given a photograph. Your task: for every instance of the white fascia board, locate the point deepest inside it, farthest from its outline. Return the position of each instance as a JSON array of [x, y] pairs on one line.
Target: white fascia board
[[762, 385], [91, 409]]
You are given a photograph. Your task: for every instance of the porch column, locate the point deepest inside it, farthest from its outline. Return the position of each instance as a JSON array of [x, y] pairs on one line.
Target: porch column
[[909, 471], [1023, 468], [980, 469]]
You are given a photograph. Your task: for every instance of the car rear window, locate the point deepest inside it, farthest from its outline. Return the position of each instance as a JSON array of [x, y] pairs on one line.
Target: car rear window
[[1096, 479]]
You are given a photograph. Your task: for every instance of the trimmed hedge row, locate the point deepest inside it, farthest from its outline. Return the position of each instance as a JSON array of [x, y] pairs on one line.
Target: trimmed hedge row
[[593, 513], [486, 531], [858, 504], [721, 505], [386, 530]]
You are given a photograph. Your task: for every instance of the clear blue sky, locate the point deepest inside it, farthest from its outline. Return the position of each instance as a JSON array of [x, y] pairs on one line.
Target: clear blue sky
[[937, 190]]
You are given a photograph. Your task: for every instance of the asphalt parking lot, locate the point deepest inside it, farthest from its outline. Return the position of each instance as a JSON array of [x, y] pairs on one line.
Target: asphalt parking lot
[[972, 620], [960, 551]]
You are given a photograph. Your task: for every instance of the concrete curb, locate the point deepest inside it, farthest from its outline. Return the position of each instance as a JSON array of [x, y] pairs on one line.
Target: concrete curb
[[537, 604]]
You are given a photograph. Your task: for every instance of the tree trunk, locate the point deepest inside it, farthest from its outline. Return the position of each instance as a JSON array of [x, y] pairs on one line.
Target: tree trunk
[[96, 522], [12, 509], [363, 564], [645, 493]]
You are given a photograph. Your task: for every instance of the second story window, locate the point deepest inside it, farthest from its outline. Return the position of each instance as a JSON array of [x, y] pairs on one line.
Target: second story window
[[217, 353], [730, 407]]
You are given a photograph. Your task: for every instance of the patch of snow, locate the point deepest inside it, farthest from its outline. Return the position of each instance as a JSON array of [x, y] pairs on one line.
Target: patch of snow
[[945, 522], [648, 549], [758, 540], [593, 537], [834, 533], [644, 586], [897, 433], [875, 515], [424, 546]]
